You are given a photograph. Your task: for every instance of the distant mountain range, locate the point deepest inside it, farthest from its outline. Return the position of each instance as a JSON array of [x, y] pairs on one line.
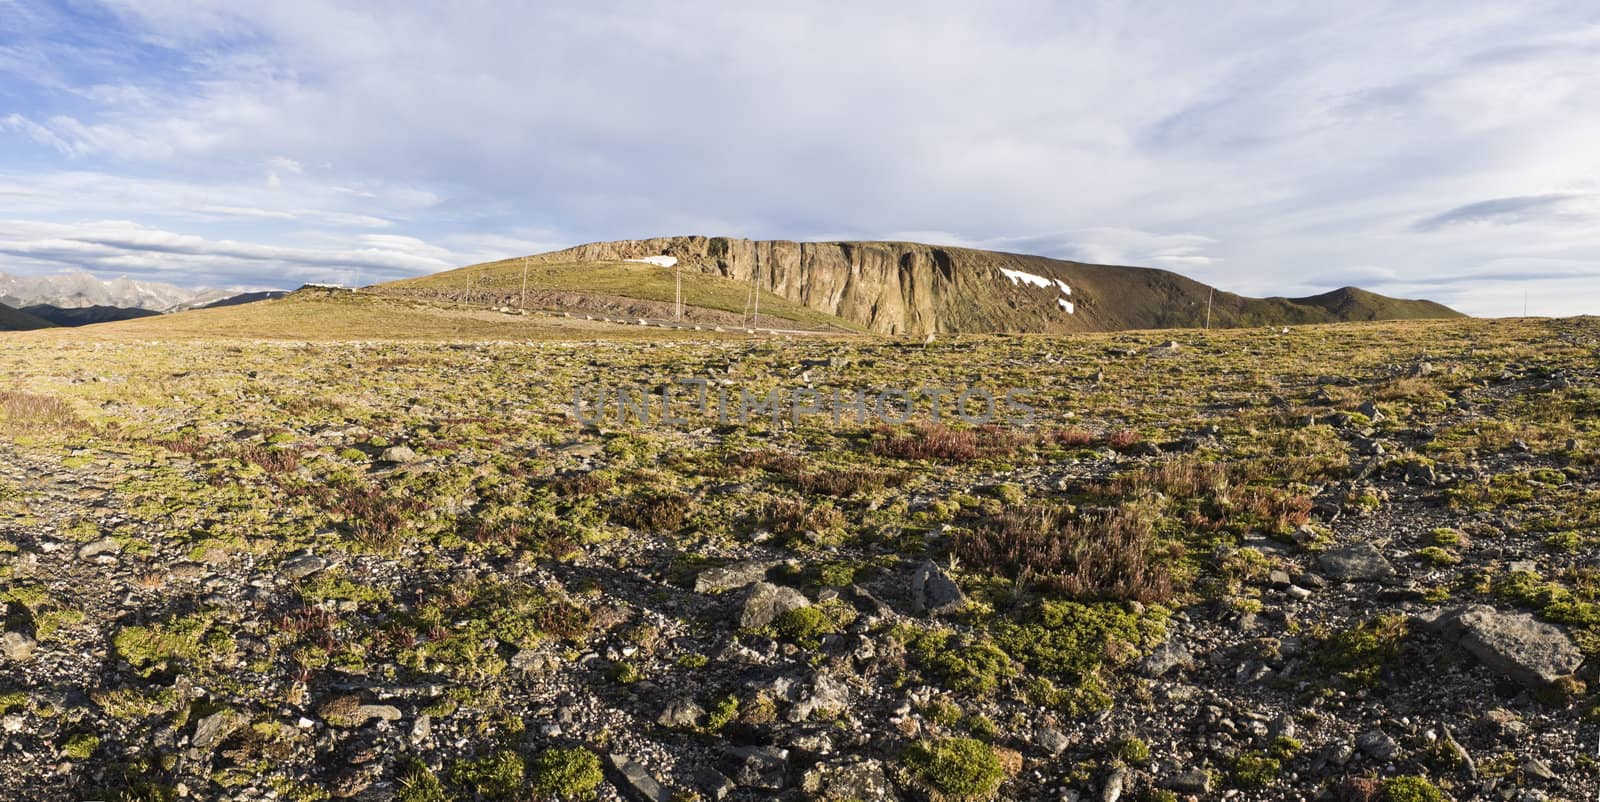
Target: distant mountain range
[[80, 289], [79, 298]]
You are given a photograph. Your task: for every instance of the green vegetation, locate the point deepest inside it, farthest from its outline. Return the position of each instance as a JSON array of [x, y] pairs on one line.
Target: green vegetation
[[1360, 654], [497, 775], [1255, 770], [961, 769], [566, 773], [1411, 789]]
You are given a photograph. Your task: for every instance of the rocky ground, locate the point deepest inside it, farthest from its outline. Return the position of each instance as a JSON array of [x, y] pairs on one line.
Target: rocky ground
[[1324, 563]]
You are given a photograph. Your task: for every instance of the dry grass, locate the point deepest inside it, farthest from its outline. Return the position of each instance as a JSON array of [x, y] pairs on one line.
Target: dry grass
[[1098, 556], [26, 413], [940, 443]]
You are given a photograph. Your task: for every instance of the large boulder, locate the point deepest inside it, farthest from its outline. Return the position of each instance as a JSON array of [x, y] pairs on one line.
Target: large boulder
[[766, 602], [933, 592], [1359, 563], [850, 778], [732, 576], [1532, 652]]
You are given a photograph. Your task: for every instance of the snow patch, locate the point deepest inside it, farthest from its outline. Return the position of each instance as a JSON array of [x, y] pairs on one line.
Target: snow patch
[[1026, 277], [658, 261], [1022, 276]]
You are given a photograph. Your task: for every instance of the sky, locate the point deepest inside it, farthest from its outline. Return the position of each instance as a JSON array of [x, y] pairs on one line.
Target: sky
[[1445, 150]]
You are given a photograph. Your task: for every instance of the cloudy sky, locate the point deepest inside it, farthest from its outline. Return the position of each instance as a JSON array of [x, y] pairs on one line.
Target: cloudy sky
[[1437, 149]]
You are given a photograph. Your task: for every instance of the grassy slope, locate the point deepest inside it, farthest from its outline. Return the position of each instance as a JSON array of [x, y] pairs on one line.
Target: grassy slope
[[310, 315], [15, 320], [622, 279], [963, 291], [1112, 298]]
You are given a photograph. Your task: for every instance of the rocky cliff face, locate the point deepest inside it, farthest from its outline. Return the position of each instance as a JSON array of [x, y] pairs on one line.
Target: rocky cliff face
[[914, 289]]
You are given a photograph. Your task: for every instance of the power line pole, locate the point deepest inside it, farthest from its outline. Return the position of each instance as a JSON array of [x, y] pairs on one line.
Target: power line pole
[[755, 283], [677, 292], [1209, 296], [524, 283]]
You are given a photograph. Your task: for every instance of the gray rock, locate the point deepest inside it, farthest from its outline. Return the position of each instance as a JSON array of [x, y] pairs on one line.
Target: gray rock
[[385, 712], [732, 576], [1538, 769], [398, 454], [933, 592], [681, 713], [17, 647], [824, 695], [766, 602], [1163, 659], [855, 778], [1377, 745], [104, 546], [763, 767], [713, 784], [303, 566], [1190, 781], [1112, 790], [1052, 740], [1359, 563], [634, 781], [583, 450], [212, 730], [1530, 651]]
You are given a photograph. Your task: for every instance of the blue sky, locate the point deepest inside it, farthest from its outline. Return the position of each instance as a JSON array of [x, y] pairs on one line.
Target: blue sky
[[1418, 148]]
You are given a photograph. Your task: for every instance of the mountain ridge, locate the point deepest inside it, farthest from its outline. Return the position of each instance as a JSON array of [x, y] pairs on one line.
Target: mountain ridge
[[18, 320], [80, 289], [906, 288]]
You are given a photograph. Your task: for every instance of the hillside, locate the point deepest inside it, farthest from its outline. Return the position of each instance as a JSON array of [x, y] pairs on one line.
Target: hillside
[[910, 288], [85, 315], [16, 320], [616, 287], [318, 315]]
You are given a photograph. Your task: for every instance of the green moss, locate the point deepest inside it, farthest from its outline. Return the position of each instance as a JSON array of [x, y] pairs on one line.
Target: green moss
[[624, 672], [961, 769], [417, 784], [1438, 556], [961, 663], [1411, 789], [497, 775], [13, 700], [1133, 750], [566, 773], [1255, 770], [1071, 642], [187, 639], [80, 746], [1360, 653], [722, 713]]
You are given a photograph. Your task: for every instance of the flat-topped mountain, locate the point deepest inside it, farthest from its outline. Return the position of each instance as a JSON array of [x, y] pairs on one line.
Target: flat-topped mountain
[[911, 288]]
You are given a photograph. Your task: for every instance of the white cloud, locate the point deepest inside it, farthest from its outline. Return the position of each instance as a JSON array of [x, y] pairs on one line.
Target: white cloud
[[123, 247], [1266, 152]]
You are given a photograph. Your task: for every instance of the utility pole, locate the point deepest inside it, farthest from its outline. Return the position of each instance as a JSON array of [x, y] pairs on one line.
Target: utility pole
[[755, 283], [524, 283], [1209, 296], [677, 292]]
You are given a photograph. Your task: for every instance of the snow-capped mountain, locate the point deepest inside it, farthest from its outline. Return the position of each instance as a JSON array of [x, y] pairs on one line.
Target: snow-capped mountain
[[80, 289]]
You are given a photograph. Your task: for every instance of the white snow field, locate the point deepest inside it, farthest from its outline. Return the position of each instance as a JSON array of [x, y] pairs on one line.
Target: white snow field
[[1022, 276], [659, 261]]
